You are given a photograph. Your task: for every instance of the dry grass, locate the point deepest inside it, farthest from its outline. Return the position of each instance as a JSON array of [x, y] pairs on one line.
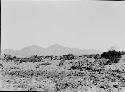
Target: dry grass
[[54, 74]]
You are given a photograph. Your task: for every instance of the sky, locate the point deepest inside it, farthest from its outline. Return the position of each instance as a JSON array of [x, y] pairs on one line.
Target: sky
[[83, 24]]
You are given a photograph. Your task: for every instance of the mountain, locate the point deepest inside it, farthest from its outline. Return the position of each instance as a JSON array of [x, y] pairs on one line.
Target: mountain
[[55, 49]]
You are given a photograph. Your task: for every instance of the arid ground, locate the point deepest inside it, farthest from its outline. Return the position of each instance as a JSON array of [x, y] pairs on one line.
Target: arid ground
[[66, 73]]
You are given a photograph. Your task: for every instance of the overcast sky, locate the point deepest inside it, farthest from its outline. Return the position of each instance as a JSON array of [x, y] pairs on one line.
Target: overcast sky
[[83, 24]]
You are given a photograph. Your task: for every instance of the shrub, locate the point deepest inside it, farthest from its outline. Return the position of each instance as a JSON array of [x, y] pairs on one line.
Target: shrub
[[112, 55]]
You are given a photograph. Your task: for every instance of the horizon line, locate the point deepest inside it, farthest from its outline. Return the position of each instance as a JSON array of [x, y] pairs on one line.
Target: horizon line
[[60, 46]]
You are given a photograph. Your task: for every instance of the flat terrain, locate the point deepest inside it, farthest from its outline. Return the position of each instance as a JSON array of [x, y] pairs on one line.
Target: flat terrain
[[50, 74]]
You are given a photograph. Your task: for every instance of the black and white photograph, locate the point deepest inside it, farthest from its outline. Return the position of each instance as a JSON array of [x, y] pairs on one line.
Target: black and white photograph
[[62, 46]]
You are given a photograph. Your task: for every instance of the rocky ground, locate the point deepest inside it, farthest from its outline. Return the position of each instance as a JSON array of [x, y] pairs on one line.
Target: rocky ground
[[80, 74]]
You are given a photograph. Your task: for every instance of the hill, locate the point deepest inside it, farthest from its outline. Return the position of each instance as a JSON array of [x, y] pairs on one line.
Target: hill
[[55, 49]]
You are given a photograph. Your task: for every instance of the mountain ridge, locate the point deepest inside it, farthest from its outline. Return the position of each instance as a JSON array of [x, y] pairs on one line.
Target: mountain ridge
[[55, 49]]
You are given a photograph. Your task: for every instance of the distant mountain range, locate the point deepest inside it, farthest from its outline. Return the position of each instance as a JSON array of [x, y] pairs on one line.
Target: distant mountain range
[[55, 49]]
